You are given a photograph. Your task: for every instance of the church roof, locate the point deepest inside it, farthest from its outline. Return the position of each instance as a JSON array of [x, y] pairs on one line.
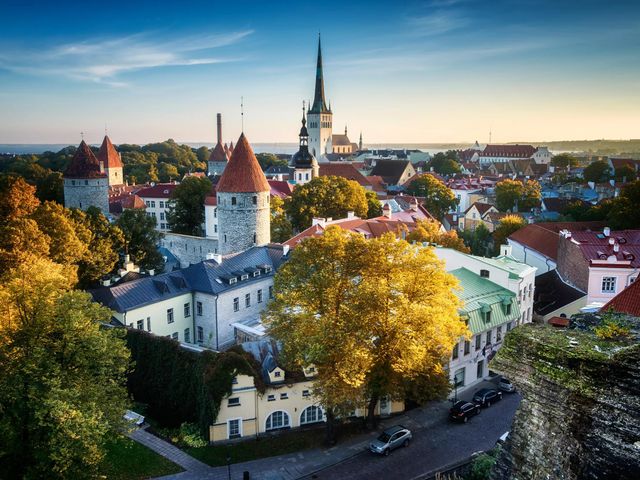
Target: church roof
[[218, 154], [84, 164], [340, 139], [319, 104], [108, 155], [243, 172]]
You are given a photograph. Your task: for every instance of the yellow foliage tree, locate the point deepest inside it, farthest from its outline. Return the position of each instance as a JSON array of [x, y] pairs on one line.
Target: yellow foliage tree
[[371, 315], [429, 231]]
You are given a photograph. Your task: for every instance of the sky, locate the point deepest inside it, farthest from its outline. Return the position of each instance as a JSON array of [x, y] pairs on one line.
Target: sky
[[399, 72]]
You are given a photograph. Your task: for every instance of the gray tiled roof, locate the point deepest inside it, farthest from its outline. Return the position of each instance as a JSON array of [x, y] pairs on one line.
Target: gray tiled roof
[[201, 277]]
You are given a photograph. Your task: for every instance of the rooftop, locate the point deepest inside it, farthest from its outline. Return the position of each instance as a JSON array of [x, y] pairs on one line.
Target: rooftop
[[243, 173]]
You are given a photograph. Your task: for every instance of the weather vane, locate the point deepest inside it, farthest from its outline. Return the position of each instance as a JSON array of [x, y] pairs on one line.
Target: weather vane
[[242, 112]]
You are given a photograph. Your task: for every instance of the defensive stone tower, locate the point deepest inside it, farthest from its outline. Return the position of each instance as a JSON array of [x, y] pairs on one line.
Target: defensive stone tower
[[85, 182], [243, 202], [111, 162]]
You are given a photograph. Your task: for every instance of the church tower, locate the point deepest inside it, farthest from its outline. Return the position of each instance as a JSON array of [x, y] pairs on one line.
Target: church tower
[[85, 182], [303, 165], [244, 217], [320, 117]]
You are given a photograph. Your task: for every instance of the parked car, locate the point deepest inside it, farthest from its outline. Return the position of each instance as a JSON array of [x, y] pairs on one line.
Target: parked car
[[486, 396], [462, 411], [391, 439], [505, 385]]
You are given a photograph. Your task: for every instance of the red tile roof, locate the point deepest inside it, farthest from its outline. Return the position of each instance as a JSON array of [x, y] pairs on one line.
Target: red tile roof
[[218, 154], [280, 188], [513, 151], [344, 169], [597, 249], [211, 200], [481, 207], [84, 164], [243, 172], [161, 190], [108, 154], [627, 301], [377, 183], [118, 203]]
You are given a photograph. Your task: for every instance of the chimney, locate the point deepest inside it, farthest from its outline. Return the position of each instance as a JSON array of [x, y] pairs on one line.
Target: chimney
[[505, 250], [318, 221], [606, 231], [285, 249], [612, 182], [101, 166], [351, 214], [151, 272], [386, 210], [616, 247], [414, 204], [217, 258], [592, 185], [612, 241], [219, 118]]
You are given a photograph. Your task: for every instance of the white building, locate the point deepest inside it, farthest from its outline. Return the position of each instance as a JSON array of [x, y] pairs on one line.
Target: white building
[[157, 199]]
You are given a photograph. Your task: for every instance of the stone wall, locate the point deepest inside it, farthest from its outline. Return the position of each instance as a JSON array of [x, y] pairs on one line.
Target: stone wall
[[245, 224], [188, 249], [85, 193], [580, 413], [572, 266]]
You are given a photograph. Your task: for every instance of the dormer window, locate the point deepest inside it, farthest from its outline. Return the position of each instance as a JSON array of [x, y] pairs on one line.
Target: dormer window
[[484, 273], [232, 280], [244, 277]]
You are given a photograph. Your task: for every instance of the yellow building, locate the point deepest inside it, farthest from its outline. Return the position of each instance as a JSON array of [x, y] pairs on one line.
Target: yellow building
[[288, 401]]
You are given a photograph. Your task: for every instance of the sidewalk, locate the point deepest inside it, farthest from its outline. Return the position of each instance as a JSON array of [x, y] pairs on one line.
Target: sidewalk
[[307, 462]]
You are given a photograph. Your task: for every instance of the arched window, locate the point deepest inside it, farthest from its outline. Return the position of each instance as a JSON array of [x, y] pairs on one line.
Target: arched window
[[277, 420], [311, 414]]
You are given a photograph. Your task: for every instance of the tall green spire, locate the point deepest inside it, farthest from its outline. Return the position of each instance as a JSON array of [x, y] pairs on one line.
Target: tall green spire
[[319, 103]]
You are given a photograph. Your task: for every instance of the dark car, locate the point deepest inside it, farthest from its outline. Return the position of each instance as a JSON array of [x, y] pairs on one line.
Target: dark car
[[486, 396], [391, 439], [462, 411]]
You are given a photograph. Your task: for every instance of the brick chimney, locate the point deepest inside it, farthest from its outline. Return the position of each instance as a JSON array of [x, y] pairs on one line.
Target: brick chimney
[[219, 123]]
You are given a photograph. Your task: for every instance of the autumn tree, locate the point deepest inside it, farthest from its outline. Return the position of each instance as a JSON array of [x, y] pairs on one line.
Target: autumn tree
[[281, 229], [439, 198], [506, 227], [430, 231], [597, 171], [372, 316], [66, 245], [512, 194], [62, 381], [325, 196], [141, 238], [186, 214]]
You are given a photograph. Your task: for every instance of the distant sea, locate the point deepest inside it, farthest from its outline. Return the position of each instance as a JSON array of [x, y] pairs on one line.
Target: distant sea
[[285, 148]]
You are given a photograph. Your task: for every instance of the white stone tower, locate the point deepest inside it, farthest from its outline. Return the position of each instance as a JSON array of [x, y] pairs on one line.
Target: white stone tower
[[320, 118], [303, 166], [244, 216], [85, 182], [111, 162]]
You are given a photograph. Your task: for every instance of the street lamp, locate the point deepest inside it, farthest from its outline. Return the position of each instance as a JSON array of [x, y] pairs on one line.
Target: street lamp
[[228, 465]]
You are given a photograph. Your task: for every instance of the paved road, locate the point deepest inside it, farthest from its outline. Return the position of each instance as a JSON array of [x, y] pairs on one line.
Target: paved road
[[442, 444]]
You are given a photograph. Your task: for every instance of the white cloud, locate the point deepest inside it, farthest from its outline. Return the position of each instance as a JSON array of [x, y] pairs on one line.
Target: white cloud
[[438, 22], [103, 61]]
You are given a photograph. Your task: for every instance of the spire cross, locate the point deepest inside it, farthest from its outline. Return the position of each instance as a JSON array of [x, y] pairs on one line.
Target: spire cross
[[82, 135]]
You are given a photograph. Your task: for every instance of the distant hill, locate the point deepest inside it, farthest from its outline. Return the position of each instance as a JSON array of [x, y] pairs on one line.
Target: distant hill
[[630, 148]]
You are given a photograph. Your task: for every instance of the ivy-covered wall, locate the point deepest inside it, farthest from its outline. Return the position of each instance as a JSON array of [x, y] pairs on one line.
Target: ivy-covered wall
[[180, 385]]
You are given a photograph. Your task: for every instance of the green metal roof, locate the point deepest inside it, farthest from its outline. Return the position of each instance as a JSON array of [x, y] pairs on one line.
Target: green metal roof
[[480, 295], [511, 265]]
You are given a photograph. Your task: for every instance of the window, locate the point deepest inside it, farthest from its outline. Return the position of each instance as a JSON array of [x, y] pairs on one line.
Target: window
[[305, 393], [277, 420], [270, 291], [455, 351], [187, 310], [487, 316], [499, 333], [247, 300], [153, 204], [458, 378], [508, 308], [284, 396], [161, 204], [271, 398], [480, 369], [200, 334], [140, 325], [233, 200], [161, 215], [234, 428], [311, 414], [478, 342], [199, 308], [236, 304], [255, 200], [484, 273], [170, 315], [163, 226], [467, 347], [608, 284], [489, 337], [277, 373], [187, 335], [148, 324], [174, 336], [509, 326], [530, 290], [260, 296], [233, 402], [234, 380]]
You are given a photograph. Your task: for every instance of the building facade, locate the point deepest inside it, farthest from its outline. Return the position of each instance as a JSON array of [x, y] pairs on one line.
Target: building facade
[[157, 199]]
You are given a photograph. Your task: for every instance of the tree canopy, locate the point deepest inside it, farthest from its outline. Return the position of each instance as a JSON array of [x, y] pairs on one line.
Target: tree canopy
[[141, 238], [186, 213], [564, 160], [62, 381], [325, 196], [512, 193], [446, 163], [267, 160], [439, 198], [281, 229], [597, 171], [506, 227], [429, 231], [374, 317]]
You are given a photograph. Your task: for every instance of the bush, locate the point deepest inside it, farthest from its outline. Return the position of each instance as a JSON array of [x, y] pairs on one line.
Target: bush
[[189, 436], [482, 465], [612, 329]]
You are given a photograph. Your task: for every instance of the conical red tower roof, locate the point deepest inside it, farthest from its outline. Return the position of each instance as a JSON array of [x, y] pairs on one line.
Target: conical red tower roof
[[108, 155], [218, 154], [243, 172], [231, 147], [226, 150], [84, 164]]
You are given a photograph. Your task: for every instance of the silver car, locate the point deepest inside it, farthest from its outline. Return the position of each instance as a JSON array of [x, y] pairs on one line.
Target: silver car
[[505, 385], [391, 439]]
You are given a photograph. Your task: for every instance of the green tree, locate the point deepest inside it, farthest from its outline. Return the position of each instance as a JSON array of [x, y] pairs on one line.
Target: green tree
[[281, 229], [597, 172], [624, 212], [203, 154], [439, 198], [531, 195], [167, 172], [625, 173], [372, 316], [374, 207], [325, 196], [508, 192], [506, 227], [141, 238], [267, 160], [564, 161], [446, 163], [477, 240], [62, 381], [67, 239], [186, 214]]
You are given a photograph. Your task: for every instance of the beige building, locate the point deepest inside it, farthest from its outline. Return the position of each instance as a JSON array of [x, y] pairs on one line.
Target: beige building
[[288, 401]]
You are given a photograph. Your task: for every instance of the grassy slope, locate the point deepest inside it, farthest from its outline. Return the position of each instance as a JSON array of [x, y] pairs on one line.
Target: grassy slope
[[128, 460]]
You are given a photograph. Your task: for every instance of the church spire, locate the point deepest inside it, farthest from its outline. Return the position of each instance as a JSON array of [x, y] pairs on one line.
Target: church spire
[[319, 103]]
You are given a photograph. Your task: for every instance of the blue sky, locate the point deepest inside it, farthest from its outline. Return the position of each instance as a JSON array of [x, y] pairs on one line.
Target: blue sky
[[430, 71]]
